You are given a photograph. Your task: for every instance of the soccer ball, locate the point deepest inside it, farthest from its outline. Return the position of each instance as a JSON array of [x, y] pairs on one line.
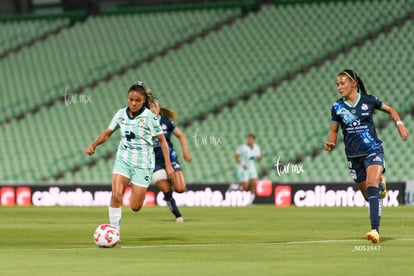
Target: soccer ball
[[106, 236]]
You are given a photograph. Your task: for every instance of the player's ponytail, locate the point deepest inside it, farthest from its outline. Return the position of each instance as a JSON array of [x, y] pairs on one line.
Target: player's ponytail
[[169, 113], [353, 76], [165, 112]]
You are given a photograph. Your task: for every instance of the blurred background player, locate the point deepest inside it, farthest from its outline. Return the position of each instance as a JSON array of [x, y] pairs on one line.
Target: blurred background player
[[135, 155], [354, 113], [167, 118], [246, 155]]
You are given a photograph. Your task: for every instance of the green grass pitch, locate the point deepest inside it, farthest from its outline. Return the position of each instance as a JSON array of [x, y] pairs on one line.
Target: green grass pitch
[[258, 240]]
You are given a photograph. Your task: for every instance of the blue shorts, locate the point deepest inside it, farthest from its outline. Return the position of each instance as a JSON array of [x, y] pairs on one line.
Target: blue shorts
[[358, 165], [175, 164]]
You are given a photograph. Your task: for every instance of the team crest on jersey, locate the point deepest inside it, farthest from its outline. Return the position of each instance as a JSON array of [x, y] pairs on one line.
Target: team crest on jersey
[[364, 107], [355, 123], [141, 122]]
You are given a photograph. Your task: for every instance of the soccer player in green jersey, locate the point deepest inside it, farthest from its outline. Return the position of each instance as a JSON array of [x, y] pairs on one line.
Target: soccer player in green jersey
[[135, 159]]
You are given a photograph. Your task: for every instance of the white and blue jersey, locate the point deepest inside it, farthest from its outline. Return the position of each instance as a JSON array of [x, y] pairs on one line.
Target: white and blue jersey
[[167, 126], [356, 120]]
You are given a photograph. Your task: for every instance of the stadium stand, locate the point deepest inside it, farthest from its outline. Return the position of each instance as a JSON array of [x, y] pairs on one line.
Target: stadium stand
[[92, 50], [243, 77], [18, 33]]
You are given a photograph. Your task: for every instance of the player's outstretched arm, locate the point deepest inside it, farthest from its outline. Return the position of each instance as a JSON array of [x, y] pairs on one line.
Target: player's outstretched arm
[[402, 130], [333, 134], [99, 140], [183, 142], [165, 154]]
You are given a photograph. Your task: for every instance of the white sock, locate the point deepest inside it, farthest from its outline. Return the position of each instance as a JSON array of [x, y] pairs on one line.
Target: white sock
[[252, 197], [115, 215]]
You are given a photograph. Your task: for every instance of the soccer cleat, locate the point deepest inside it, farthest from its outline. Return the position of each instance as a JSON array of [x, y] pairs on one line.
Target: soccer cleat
[[179, 220], [383, 187], [373, 236]]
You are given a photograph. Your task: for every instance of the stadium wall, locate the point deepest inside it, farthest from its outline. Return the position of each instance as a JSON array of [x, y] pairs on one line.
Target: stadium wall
[[208, 195]]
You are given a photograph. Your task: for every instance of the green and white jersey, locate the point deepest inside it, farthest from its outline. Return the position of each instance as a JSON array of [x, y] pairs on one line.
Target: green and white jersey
[[137, 137], [248, 155]]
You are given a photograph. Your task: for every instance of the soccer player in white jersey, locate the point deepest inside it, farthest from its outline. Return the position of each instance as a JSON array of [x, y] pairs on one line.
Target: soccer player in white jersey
[[134, 161], [246, 155]]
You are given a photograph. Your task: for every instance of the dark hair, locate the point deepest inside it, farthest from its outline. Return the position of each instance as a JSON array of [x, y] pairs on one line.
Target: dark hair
[[251, 135], [140, 88], [353, 76]]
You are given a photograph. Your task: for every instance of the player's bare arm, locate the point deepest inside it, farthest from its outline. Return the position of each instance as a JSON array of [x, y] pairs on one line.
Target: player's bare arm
[[183, 141], [333, 134], [102, 138], [166, 154], [402, 130]]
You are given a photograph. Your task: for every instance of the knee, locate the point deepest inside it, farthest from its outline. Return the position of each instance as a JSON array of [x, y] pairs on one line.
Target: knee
[[116, 198], [136, 208], [180, 190]]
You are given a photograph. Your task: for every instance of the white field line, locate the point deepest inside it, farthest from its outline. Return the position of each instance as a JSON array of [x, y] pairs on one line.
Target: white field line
[[227, 244]]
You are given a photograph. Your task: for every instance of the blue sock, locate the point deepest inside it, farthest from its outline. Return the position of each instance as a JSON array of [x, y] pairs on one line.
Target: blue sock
[[171, 204], [374, 206]]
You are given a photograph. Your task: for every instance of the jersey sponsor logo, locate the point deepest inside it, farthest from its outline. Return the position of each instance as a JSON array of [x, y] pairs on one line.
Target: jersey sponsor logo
[[283, 195], [364, 107]]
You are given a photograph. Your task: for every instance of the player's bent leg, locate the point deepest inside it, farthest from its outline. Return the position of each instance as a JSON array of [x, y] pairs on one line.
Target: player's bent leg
[[178, 182], [137, 197], [252, 185], [244, 185], [383, 187], [165, 187], [363, 188]]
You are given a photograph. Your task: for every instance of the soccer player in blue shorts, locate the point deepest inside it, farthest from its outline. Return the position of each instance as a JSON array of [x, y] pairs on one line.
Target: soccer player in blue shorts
[[354, 113], [167, 118], [134, 161]]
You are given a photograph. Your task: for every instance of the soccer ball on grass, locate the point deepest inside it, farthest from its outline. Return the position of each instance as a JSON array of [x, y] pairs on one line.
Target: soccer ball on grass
[[106, 236]]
